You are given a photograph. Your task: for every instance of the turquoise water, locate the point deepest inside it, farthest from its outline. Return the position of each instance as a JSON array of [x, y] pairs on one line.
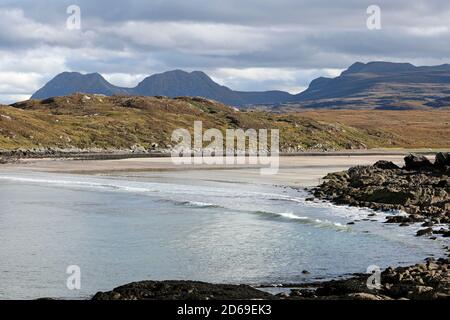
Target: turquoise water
[[126, 228]]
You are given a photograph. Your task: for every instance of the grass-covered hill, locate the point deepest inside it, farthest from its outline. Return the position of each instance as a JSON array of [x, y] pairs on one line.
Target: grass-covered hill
[[95, 122]]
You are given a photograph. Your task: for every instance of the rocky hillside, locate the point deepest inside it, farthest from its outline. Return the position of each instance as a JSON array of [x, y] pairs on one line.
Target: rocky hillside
[[141, 124]]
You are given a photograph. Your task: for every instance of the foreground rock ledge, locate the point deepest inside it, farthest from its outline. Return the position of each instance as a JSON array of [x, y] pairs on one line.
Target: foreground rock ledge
[[428, 280], [420, 188], [181, 290]]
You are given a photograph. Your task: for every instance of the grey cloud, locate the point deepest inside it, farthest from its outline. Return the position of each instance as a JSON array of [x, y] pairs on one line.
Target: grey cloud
[[248, 12], [142, 37]]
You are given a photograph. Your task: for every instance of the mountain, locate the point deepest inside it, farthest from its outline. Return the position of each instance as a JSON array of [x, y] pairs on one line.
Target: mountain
[[359, 78], [70, 82], [179, 83], [379, 85], [174, 83]]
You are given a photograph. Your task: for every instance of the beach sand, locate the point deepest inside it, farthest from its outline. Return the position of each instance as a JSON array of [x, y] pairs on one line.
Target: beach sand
[[293, 170]]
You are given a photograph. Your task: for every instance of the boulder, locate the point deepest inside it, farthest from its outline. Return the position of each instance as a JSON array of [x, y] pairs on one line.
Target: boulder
[[442, 160], [417, 162], [386, 165], [424, 232]]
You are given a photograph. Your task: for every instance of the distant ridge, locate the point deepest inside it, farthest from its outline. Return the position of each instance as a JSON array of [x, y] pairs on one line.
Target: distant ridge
[[373, 85], [361, 77]]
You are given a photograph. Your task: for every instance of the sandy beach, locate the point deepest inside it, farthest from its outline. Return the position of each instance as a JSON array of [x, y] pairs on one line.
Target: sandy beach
[[294, 170]]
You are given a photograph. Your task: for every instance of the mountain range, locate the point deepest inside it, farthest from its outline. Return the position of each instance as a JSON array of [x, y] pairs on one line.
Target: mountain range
[[172, 84], [373, 85]]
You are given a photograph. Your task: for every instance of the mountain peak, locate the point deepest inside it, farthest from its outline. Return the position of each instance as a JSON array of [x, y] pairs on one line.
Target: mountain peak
[[67, 82], [379, 67]]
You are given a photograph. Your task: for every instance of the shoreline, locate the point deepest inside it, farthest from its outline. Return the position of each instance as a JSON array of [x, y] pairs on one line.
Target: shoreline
[[87, 154]]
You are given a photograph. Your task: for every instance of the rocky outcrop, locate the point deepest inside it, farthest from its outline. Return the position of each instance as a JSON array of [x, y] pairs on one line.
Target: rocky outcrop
[[181, 290], [429, 280], [421, 189], [442, 160], [135, 151], [383, 164], [417, 162]]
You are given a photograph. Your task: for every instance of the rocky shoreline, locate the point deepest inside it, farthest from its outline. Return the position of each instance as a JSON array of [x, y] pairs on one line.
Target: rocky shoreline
[[420, 189], [12, 156], [429, 280]]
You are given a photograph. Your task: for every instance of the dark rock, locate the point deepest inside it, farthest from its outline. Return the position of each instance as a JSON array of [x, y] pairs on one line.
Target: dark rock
[[387, 165], [305, 272], [181, 290], [444, 232], [427, 224], [423, 232], [389, 196], [443, 183], [442, 160], [403, 219], [344, 287], [417, 162], [304, 293]]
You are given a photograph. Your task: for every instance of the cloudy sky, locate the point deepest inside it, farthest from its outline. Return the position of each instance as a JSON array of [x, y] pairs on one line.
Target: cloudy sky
[[244, 44]]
